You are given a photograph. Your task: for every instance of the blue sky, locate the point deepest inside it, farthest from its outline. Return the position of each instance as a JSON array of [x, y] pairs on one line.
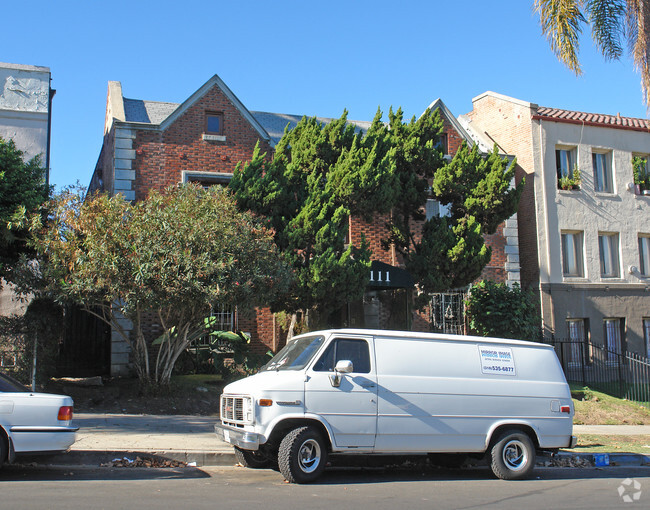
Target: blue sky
[[298, 57]]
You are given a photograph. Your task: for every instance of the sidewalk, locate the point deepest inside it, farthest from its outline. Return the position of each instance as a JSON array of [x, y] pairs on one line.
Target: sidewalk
[[104, 437]]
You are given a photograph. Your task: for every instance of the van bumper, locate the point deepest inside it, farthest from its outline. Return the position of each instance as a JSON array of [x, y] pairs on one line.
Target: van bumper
[[238, 437], [573, 442]]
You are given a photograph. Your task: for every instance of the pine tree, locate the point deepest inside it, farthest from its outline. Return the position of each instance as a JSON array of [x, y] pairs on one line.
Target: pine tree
[[22, 187]]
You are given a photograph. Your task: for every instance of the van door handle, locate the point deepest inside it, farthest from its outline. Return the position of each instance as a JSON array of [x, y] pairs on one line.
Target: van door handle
[[367, 385]]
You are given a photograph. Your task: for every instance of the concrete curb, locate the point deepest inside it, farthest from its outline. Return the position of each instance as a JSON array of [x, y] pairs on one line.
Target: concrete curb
[[96, 458], [607, 459]]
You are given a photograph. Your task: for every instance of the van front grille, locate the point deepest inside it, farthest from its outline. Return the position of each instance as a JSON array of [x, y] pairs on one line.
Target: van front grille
[[233, 409]]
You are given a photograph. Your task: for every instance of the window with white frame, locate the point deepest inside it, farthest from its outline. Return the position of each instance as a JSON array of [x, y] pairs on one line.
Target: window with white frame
[[613, 329], [644, 254], [608, 250], [572, 254], [602, 163], [207, 179], [646, 335], [576, 328]]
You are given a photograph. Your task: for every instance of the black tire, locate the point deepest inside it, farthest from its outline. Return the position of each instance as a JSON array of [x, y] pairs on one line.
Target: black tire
[[4, 448], [513, 455], [302, 455], [252, 459]]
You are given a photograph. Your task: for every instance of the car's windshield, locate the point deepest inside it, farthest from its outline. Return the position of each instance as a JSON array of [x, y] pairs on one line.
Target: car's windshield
[[10, 385], [295, 355]]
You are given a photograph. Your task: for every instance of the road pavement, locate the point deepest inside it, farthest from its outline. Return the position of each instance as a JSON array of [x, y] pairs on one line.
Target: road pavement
[[363, 489]]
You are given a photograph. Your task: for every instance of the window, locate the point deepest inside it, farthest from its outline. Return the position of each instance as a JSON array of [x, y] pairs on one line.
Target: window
[[577, 338], [644, 255], [568, 176], [613, 338], [345, 349], [214, 123], [640, 172], [296, 354], [434, 209], [207, 179], [442, 144], [646, 335], [224, 320], [572, 254], [608, 249], [602, 172]]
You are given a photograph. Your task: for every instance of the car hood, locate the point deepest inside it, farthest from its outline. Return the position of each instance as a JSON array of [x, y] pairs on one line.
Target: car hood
[[272, 380]]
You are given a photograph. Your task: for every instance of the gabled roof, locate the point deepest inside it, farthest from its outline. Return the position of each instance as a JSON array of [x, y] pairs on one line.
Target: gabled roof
[[215, 81], [592, 119], [471, 140]]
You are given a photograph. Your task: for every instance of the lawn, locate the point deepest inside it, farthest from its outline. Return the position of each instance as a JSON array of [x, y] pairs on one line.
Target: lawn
[[591, 443], [596, 408]]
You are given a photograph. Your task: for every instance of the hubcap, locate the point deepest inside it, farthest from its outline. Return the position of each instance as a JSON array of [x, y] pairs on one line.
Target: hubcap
[[309, 455], [514, 455]]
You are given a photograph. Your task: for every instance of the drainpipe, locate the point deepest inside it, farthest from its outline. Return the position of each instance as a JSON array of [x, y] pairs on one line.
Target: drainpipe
[[51, 93]]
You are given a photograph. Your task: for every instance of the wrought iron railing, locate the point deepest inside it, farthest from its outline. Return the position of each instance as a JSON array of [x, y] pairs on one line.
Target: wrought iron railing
[[621, 374]]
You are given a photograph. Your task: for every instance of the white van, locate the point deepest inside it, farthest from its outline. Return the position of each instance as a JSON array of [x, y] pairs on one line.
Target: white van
[[396, 392]]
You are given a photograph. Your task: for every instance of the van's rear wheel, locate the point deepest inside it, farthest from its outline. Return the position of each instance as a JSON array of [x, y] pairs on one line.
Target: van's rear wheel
[[302, 455], [251, 459], [513, 455]]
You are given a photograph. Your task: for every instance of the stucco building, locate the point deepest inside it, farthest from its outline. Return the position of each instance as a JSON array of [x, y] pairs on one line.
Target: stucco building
[[25, 118], [150, 144], [584, 225]]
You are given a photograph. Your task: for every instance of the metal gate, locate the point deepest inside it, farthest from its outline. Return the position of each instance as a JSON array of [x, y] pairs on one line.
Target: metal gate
[[447, 312]]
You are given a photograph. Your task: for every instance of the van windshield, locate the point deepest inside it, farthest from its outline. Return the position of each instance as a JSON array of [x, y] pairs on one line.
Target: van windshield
[[295, 355]]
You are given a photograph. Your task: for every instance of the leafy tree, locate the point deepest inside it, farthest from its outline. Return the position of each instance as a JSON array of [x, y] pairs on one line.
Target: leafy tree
[[322, 174], [494, 309], [611, 21], [319, 176], [170, 257], [445, 252], [22, 186]]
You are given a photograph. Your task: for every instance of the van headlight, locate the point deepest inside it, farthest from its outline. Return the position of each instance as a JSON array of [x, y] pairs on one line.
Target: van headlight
[[248, 410]]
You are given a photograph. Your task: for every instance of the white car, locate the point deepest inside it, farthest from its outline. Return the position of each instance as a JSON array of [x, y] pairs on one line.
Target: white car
[[33, 423]]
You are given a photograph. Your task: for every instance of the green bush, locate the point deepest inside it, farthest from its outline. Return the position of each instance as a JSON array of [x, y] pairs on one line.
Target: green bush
[[494, 309]]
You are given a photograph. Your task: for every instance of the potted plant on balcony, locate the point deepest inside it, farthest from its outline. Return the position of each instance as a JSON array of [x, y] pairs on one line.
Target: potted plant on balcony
[[571, 181], [641, 175]]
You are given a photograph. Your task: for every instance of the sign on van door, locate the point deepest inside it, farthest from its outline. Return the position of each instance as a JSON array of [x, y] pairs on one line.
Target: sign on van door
[[351, 407]]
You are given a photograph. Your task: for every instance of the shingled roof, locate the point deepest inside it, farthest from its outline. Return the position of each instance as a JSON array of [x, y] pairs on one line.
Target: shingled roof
[[150, 112], [591, 119]]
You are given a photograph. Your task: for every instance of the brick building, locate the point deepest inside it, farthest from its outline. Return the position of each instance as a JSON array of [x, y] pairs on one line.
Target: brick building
[[154, 145]]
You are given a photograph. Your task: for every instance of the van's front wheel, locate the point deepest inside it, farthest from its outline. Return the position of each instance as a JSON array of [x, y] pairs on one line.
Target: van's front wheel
[[251, 459], [513, 455], [302, 455]]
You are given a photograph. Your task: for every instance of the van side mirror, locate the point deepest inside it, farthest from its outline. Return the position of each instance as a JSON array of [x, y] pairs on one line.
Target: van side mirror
[[343, 366]]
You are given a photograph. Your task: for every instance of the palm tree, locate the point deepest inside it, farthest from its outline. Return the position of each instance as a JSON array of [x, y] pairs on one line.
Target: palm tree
[[611, 22]]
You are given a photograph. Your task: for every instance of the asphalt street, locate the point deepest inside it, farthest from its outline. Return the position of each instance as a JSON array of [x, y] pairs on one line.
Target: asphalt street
[[362, 489]]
